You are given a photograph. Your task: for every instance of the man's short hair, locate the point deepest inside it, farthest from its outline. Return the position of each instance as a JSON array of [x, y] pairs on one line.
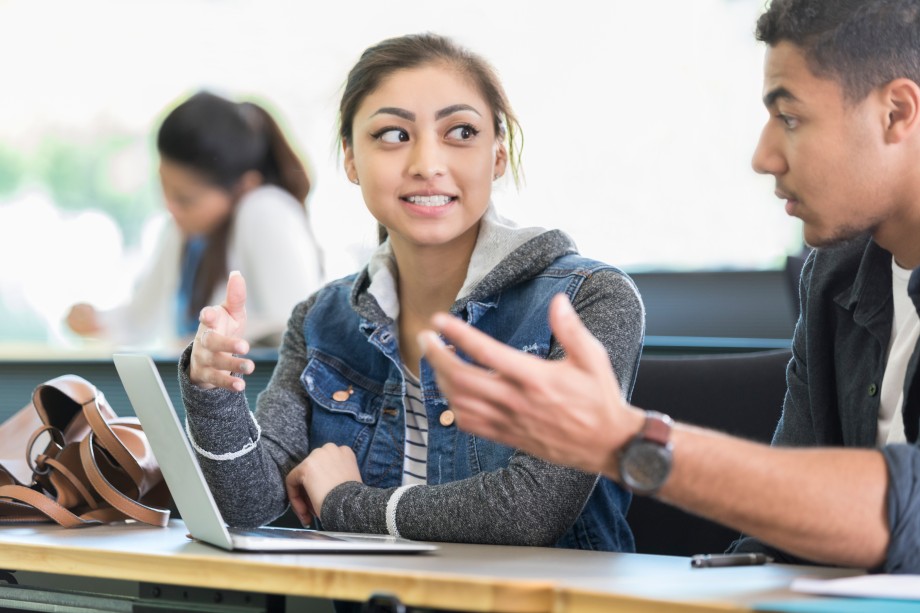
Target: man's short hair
[[861, 44]]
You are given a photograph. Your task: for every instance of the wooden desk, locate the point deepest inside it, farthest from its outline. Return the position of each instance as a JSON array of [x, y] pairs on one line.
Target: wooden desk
[[458, 577]]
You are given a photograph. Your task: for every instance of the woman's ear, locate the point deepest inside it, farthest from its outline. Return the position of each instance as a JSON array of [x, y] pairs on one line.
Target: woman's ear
[[901, 98], [349, 162], [501, 162]]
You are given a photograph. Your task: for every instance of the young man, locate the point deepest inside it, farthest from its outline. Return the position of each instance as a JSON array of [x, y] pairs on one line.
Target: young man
[[842, 85]]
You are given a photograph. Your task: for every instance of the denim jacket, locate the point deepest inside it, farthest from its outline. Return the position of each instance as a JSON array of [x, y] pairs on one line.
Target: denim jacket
[[349, 387]]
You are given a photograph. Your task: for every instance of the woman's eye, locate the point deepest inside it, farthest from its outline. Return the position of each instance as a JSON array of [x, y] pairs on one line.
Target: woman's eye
[[464, 132], [392, 135]]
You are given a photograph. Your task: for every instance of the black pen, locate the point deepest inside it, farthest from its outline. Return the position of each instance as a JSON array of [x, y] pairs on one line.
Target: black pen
[[712, 560]]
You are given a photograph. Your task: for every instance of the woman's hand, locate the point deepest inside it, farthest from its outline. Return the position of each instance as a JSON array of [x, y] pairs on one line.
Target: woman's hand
[[83, 319], [214, 361], [311, 480]]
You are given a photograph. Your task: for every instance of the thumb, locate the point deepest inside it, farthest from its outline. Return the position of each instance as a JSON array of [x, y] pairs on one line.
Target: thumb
[[581, 348], [235, 302]]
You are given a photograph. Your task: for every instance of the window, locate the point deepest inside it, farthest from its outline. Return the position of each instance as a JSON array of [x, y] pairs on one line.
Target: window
[[639, 120]]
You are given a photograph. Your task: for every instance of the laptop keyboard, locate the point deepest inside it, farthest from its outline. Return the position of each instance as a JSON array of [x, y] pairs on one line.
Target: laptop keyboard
[[288, 533]]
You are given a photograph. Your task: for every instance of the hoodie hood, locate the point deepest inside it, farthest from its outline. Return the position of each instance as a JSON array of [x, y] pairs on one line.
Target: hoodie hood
[[505, 254]]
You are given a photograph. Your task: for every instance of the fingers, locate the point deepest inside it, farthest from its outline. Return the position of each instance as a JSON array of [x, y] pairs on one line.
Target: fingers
[[213, 340], [297, 495], [437, 354], [581, 348], [216, 360], [480, 398], [214, 363], [484, 350], [235, 301], [456, 376]]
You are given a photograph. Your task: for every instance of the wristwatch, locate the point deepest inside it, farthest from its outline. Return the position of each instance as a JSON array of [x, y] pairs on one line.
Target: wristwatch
[[645, 461]]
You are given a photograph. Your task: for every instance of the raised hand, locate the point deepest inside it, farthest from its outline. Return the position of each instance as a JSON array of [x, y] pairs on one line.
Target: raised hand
[[218, 343]]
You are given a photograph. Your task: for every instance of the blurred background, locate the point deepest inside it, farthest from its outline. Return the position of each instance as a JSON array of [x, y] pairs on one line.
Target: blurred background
[[639, 122]]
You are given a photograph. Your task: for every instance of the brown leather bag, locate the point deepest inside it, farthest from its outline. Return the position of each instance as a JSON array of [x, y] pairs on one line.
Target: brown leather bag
[[79, 463]]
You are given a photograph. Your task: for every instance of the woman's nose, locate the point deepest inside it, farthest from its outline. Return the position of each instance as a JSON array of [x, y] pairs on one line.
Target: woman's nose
[[426, 161]]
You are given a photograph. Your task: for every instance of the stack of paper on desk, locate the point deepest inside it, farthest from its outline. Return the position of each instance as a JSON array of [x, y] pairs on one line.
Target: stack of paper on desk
[[901, 587]]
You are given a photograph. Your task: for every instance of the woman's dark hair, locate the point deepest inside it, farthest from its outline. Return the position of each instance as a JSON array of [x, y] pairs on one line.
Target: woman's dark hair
[[222, 140], [416, 50], [862, 44]]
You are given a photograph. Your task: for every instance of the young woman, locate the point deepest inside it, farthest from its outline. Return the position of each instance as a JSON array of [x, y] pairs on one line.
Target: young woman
[[352, 429], [236, 193]]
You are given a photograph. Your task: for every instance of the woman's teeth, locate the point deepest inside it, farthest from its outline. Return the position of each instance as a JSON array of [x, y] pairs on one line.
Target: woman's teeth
[[429, 200]]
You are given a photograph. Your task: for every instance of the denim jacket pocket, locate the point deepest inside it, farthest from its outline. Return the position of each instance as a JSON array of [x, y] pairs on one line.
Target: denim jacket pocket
[[346, 405]]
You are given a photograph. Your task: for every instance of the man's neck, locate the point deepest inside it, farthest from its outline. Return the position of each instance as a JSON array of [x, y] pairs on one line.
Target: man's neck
[[901, 236]]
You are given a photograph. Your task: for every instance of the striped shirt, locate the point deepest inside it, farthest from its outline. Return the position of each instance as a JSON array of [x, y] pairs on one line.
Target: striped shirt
[[415, 462]]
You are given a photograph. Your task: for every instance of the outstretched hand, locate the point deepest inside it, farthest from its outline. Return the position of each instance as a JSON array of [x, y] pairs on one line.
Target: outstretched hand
[[568, 411], [219, 342]]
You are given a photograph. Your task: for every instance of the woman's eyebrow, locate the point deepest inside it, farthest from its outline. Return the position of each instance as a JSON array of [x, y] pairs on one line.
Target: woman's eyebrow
[[455, 108], [410, 116], [392, 110]]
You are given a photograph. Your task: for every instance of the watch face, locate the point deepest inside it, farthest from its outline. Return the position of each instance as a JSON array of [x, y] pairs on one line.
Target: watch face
[[645, 465]]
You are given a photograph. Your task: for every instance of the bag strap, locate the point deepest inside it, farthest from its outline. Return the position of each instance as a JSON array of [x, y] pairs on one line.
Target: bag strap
[[30, 500], [100, 428], [115, 497]]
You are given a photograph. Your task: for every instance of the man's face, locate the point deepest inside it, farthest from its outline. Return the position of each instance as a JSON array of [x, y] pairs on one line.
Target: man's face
[[827, 154]]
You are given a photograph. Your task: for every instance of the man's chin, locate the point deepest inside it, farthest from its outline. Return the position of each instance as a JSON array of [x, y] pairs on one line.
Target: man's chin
[[817, 239]]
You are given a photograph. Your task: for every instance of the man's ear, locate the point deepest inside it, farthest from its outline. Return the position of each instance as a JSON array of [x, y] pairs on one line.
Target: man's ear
[[902, 100], [501, 162]]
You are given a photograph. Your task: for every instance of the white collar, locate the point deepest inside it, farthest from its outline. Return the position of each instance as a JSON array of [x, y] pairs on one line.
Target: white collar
[[497, 238]]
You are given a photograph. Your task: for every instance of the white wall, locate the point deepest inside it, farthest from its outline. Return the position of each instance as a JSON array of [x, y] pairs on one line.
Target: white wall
[[639, 117]]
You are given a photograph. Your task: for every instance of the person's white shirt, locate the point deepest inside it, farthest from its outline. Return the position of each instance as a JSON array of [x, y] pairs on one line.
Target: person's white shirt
[[905, 330], [270, 243]]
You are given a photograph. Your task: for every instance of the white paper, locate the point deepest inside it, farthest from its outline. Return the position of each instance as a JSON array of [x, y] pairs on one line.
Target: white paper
[[905, 587]]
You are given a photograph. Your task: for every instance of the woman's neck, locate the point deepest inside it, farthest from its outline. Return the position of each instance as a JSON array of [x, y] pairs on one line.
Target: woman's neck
[[429, 280]]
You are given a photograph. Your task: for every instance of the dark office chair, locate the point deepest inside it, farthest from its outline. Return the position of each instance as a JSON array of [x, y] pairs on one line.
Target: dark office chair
[[738, 393]]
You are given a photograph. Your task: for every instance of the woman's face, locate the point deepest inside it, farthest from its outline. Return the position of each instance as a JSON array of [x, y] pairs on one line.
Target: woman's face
[[198, 206], [425, 153]]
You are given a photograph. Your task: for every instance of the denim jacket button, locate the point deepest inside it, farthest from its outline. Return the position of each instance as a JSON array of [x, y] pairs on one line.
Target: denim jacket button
[[343, 395], [447, 418]]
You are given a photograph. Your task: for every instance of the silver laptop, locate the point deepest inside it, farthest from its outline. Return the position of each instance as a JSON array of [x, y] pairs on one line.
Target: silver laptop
[[190, 490]]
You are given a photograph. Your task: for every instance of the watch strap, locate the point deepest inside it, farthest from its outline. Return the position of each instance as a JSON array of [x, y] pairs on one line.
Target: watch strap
[[657, 428]]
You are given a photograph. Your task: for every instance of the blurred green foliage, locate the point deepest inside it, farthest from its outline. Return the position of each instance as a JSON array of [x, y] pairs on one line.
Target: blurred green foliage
[[79, 176], [11, 170]]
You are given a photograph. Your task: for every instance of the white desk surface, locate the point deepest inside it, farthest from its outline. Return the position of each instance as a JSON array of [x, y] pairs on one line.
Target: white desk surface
[[466, 577]]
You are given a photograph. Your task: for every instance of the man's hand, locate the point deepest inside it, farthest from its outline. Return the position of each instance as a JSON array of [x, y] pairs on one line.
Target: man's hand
[[219, 338], [569, 412]]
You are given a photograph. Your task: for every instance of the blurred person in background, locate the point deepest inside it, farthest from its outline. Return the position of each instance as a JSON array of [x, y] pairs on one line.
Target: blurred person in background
[[236, 192]]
